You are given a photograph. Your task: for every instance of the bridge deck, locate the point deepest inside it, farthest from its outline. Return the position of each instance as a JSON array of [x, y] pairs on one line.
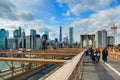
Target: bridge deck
[[101, 71]]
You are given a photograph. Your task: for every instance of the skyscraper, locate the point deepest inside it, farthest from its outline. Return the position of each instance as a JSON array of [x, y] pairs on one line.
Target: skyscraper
[[101, 39], [19, 31], [65, 42], [10, 43], [98, 37], [45, 37], [22, 40], [56, 40], [33, 39], [32, 32], [70, 36], [17, 35], [110, 40], [28, 42], [44, 41], [47, 33], [60, 35], [104, 38], [55, 43], [3, 38], [38, 41]]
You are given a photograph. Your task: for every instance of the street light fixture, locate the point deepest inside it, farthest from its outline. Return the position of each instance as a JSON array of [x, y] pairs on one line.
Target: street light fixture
[[114, 31]]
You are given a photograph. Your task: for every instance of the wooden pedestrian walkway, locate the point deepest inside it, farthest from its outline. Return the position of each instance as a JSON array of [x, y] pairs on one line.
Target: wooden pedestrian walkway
[[101, 70]]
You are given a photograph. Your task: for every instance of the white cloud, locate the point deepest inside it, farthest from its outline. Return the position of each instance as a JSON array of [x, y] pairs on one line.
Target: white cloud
[[98, 21], [16, 13], [106, 3], [69, 3], [35, 7], [38, 25], [9, 11], [19, 13], [77, 9], [54, 34], [52, 18], [79, 6], [25, 16], [67, 13]]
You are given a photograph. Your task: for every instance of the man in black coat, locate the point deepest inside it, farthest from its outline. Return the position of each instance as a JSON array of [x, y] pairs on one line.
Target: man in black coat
[[104, 54]]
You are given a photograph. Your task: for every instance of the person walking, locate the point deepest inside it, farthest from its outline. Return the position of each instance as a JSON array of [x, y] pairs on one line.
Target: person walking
[[86, 55], [104, 54], [96, 55], [99, 52]]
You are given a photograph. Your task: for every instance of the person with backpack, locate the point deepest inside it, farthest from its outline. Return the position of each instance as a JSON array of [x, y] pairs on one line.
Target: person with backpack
[[99, 52], [86, 55], [104, 54], [96, 55]]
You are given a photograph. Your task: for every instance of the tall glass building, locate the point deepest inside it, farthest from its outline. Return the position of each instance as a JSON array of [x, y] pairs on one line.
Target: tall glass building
[[71, 36], [10, 43], [33, 39], [47, 33], [32, 32], [3, 38], [28, 42], [60, 35], [38, 41], [17, 35]]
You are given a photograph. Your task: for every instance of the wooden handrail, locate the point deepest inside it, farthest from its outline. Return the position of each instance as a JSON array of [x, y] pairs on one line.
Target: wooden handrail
[[114, 55], [33, 60], [69, 71], [41, 59]]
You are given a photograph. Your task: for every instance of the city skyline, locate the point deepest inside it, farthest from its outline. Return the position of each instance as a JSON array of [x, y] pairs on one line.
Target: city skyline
[[46, 15]]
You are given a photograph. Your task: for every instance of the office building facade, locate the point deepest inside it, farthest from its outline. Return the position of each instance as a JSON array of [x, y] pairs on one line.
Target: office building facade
[[47, 33], [60, 35], [38, 41], [101, 39], [10, 43], [110, 40], [22, 40], [70, 36], [17, 36], [28, 42], [33, 39], [3, 38]]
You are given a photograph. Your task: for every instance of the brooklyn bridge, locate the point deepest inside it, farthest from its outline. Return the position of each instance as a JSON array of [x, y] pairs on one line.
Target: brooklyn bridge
[[59, 64]]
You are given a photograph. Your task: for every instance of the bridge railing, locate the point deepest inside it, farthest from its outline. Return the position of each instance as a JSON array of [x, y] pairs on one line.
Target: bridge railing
[[114, 54], [42, 54], [17, 67], [70, 71]]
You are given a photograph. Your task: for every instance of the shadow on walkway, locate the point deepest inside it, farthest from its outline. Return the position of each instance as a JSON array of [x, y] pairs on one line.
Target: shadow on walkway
[[102, 73], [95, 71]]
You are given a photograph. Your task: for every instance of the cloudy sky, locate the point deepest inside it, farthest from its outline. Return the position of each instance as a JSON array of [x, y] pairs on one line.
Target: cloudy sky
[[85, 16]]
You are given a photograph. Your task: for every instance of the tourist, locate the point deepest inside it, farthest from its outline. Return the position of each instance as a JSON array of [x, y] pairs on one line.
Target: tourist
[[99, 52], [96, 56], [86, 55], [104, 54]]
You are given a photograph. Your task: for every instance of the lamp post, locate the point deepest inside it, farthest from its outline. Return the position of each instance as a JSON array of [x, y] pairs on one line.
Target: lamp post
[[114, 31]]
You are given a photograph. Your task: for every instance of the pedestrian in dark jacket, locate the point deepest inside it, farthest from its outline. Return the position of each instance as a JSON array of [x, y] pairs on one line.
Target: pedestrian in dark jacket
[[104, 54]]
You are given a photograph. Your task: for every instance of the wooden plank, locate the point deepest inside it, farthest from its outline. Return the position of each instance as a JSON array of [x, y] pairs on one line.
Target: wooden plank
[[32, 60], [69, 54]]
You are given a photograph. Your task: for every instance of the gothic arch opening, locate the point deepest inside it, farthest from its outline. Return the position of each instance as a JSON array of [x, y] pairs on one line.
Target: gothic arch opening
[[87, 40], [84, 43], [90, 42]]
